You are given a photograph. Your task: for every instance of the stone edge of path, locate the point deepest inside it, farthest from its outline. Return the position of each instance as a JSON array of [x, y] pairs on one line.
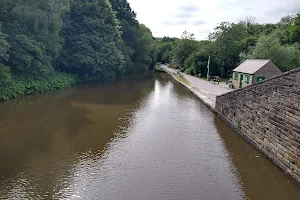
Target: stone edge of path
[[205, 100]]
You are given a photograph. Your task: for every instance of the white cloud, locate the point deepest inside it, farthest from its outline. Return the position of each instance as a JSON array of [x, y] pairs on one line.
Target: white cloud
[[176, 22], [172, 17]]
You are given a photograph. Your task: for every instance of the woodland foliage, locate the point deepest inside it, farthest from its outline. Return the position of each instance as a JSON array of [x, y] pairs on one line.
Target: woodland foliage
[[49, 44]]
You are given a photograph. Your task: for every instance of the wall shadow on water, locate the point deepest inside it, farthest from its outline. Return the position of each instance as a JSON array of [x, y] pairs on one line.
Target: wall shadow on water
[[259, 177]]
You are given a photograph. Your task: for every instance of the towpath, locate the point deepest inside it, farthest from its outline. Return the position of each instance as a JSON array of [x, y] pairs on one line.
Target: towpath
[[205, 90]]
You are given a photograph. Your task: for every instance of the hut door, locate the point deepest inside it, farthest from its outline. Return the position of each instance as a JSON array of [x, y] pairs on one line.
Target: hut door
[[241, 80]]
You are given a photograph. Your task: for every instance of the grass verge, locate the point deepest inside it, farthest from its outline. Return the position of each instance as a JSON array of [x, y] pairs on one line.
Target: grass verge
[[182, 79], [157, 67]]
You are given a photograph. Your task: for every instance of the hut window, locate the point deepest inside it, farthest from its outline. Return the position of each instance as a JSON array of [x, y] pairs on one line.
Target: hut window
[[236, 76], [260, 78], [247, 81]]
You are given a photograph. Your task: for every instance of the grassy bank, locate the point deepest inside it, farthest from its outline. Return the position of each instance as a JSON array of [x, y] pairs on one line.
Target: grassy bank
[[18, 86], [157, 67], [182, 79], [24, 85]]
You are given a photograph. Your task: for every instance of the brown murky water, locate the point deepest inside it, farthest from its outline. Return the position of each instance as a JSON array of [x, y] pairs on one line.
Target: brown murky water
[[139, 138]]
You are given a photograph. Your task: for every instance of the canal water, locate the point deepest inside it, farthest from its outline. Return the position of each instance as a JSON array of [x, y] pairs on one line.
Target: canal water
[[141, 137]]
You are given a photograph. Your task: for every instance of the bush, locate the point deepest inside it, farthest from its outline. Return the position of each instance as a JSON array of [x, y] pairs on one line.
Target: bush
[[190, 71], [167, 56], [24, 85], [174, 65]]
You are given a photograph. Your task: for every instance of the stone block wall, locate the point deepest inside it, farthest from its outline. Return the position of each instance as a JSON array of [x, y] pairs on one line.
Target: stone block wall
[[267, 114]]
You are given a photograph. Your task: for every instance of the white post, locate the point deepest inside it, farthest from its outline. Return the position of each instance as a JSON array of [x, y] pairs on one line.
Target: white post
[[208, 68]]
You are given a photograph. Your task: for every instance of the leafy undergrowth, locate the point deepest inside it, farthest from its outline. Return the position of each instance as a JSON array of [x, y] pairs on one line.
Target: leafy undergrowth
[[24, 85]]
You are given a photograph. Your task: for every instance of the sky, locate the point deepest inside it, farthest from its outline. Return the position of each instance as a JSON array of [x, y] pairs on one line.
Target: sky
[[172, 17]]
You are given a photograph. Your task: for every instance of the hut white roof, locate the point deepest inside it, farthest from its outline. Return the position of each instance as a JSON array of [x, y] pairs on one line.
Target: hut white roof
[[251, 66]]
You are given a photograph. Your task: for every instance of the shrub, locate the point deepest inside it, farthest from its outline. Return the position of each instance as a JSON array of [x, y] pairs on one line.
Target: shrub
[[25, 85], [190, 71]]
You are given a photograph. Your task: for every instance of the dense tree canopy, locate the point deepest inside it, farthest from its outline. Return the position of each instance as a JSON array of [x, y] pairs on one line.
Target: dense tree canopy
[[229, 42], [41, 41], [33, 28], [138, 48], [163, 49], [184, 48], [284, 56], [4, 47], [92, 40], [145, 48], [294, 30]]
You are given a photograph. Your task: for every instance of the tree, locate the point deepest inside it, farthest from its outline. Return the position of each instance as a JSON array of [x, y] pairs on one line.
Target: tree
[[124, 11], [188, 36], [167, 56], [167, 39], [29, 56], [92, 40], [4, 47], [251, 25], [138, 47], [145, 49], [287, 20], [129, 26], [228, 39], [33, 30], [197, 62], [286, 57], [184, 48], [294, 30], [38, 20], [162, 49]]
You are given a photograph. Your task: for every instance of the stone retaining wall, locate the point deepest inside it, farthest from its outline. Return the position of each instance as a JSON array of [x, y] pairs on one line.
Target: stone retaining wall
[[267, 114]]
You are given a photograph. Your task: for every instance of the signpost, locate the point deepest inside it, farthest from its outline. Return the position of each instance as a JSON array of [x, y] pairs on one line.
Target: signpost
[[208, 68]]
